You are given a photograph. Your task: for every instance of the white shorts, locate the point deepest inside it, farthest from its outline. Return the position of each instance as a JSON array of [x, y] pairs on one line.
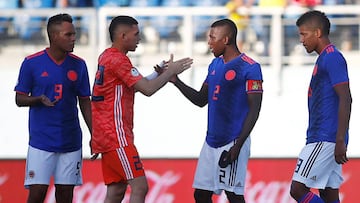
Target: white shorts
[[42, 165], [317, 168], [209, 176]]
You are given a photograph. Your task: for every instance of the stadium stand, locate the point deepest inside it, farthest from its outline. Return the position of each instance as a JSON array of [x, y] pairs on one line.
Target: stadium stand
[[6, 21], [144, 21], [165, 23], [167, 26], [100, 3], [82, 23], [30, 27], [202, 23]]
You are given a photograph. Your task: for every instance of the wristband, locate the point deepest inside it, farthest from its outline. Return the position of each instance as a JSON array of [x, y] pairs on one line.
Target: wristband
[[152, 76], [161, 65]]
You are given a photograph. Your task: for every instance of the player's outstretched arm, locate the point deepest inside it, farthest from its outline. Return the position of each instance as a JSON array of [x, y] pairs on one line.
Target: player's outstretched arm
[[199, 98], [149, 87]]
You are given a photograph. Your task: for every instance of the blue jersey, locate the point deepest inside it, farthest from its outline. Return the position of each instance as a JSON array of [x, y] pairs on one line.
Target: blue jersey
[[54, 129], [323, 103], [228, 86]]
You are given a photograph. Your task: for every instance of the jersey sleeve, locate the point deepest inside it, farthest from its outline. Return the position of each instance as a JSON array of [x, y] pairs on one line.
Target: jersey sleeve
[[84, 85], [254, 72], [25, 80], [337, 69], [126, 72], [254, 79]]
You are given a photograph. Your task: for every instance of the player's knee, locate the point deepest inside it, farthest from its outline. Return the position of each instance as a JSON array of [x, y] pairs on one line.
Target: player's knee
[[144, 189], [115, 192], [293, 190], [329, 194], [64, 193], [140, 190], [37, 193], [202, 196], [297, 190], [36, 197], [232, 197]]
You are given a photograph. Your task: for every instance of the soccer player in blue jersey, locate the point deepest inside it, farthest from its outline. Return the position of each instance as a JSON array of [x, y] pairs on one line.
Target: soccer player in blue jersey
[[320, 162], [233, 92], [52, 82]]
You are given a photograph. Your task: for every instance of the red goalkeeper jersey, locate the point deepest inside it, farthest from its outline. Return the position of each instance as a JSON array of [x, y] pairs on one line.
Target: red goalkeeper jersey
[[113, 101]]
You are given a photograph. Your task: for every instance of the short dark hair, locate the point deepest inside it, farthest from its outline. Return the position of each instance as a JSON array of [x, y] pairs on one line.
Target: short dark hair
[[57, 20], [120, 20], [315, 18], [230, 26]]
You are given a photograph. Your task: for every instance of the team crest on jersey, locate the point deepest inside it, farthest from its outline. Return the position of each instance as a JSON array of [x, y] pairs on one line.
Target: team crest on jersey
[[31, 174], [72, 75], [134, 72], [230, 75]]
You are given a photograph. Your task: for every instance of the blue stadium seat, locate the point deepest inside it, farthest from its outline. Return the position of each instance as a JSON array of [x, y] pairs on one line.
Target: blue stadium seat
[[167, 25], [144, 3], [176, 2], [100, 3], [202, 23], [209, 2], [143, 20], [29, 27], [73, 3], [5, 21], [82, 23]]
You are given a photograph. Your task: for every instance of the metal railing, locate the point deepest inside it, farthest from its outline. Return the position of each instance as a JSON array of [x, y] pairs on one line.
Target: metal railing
[[98, 22]]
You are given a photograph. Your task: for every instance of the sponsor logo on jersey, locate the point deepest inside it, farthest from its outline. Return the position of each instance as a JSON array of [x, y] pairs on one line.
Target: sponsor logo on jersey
[[44, 74], [313, 178]]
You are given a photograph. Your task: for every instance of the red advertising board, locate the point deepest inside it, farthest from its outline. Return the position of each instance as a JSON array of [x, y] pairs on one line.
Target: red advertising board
[[170, 181]]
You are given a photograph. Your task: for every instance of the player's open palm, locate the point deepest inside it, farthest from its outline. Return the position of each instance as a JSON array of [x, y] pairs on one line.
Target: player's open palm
[[46, 101], [180, 65]]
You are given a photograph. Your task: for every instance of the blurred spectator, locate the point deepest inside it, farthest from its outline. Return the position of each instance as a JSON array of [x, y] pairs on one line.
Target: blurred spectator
[[292, 13], [308, 3], [73, 3], [238, 12], [262, 27]]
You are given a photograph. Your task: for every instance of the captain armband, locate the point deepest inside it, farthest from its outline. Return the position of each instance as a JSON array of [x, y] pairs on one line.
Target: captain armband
[[254, 86]]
